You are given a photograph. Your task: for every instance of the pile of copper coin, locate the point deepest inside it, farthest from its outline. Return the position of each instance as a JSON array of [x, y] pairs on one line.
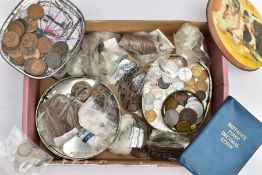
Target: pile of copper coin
[[182, 111], [30, 47]]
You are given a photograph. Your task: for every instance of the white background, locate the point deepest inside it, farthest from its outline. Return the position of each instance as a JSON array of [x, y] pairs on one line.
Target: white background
[[246, 87]]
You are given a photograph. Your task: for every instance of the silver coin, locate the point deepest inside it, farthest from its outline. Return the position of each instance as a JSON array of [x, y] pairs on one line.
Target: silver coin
[[179, 108], [171, 117], [24, 149], [158, 104], [185, 74], [197, 107], [158, 93], [149, 98], [148, 107], [53, 60], [190, 99], [178, 85]]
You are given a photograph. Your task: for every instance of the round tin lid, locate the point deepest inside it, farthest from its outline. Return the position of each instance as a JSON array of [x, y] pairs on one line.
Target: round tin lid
[[236, 27]]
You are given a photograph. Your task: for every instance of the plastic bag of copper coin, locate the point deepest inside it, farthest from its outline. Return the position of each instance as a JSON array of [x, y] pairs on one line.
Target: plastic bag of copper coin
[[132, 136], [19, 155], [189, 43]]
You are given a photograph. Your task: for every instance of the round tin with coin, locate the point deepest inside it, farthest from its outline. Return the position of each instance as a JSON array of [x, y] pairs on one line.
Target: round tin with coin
[[80, 92], [190, 79], [26, 34]]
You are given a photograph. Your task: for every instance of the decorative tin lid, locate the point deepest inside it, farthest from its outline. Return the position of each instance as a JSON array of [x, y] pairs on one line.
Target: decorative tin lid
[[236, 27]]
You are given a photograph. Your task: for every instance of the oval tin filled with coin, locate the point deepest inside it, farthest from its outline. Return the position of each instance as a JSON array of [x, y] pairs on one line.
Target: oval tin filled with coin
[[27, 32], [193, 78], [77, 118]]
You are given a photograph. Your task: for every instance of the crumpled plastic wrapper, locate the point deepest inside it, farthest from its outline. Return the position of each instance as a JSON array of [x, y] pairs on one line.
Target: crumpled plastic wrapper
[[132, 136], [19, 155], [189, 43]]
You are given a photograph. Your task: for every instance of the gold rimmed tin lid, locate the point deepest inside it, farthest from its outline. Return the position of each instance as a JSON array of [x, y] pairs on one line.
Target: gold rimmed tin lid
[[236, 27]]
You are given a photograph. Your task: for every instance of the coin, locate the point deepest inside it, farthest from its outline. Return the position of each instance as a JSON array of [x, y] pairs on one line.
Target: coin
[[188, 115], [28, 43], [171, 117], [35, 11], [17, 27], [185, 74], [53, 60], [197, 107], [203, 76], [179, 108], [190, 88], [24, 149], [181, 62], [183, 126], [178, 85], [197, 71], [11, 39], [163, 85], [44, 45], [18, 61], [150, 116], [181, 97], [36, 54], [170, 103], [190, 82], [61, 48], [16, 54], [31, 24], [201, 95], [37, 157], [35, 66], [201, 86], [81, 91]]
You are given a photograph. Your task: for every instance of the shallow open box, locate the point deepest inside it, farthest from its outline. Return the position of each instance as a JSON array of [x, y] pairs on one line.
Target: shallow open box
[[33, 89]]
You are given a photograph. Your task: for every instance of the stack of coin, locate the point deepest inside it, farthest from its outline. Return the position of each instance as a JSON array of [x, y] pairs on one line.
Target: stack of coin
[[31, 48], [182, 111]]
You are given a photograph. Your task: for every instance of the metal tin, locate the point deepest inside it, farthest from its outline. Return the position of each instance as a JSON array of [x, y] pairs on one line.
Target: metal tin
[[151, 86], [71, 23], [71, 152]]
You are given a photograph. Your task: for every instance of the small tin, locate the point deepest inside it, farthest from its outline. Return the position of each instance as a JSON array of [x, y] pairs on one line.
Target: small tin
[[77, 148], [62, 21]]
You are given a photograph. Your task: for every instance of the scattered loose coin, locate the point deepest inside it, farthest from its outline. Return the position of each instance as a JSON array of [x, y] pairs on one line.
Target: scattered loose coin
[[28, 43], [185, 74], [31, 24], [11, 39], [183, 126], [197, 71], [190, 82], [53, 60], [201, 95], [162, 84], [44, 45], [181, 97], [61, 48], [171, 117], [17, 27], [201, 86], [24, 149], [81, 91], [150, 115], [36, 54], [35, 66], [203, 76], [18, 61], [188, 115], [35, 11], [170, 103]]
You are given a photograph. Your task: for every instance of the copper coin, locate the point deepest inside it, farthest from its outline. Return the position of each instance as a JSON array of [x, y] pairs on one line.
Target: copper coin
[[18, 61], [201, 95], [36, 54], [28, 43], [45, 45], [9, 50], [35, 11], [201, 86], [11, 39], [188, 115], [16, 54], [61, 48], [17, 27], [181, 97], [183, 126], [170, 103], [81, 91], [35, 66], [31, 24], [150, 116]]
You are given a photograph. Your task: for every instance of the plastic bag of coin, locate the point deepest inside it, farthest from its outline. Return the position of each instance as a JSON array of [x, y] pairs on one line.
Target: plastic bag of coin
[[19, 155], [132, 136]]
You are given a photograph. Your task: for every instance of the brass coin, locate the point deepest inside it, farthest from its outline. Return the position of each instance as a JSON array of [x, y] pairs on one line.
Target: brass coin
[[190, 82], [31, 24], [17, 27], [36, 54], [81, 91], [190, 88], [201, 86], [61, 48], [183, 126], [45, 45], [170, 103], [150, 115], [18, 61], [35, 66], [11, 39], [203, 76], [197, 71], [28, 43], [35, 11], [188, 115]]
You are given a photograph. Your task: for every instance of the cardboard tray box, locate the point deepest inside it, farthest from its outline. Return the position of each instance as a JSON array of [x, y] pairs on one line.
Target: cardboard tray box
[[33, 89]]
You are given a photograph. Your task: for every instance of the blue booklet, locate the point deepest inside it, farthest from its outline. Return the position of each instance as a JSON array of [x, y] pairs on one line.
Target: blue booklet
[[226, 143]]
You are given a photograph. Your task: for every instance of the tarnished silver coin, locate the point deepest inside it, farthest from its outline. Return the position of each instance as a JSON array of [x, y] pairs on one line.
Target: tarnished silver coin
[[53, 60]]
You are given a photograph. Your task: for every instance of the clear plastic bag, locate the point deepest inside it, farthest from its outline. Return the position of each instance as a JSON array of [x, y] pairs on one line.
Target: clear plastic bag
[[19, 155]]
